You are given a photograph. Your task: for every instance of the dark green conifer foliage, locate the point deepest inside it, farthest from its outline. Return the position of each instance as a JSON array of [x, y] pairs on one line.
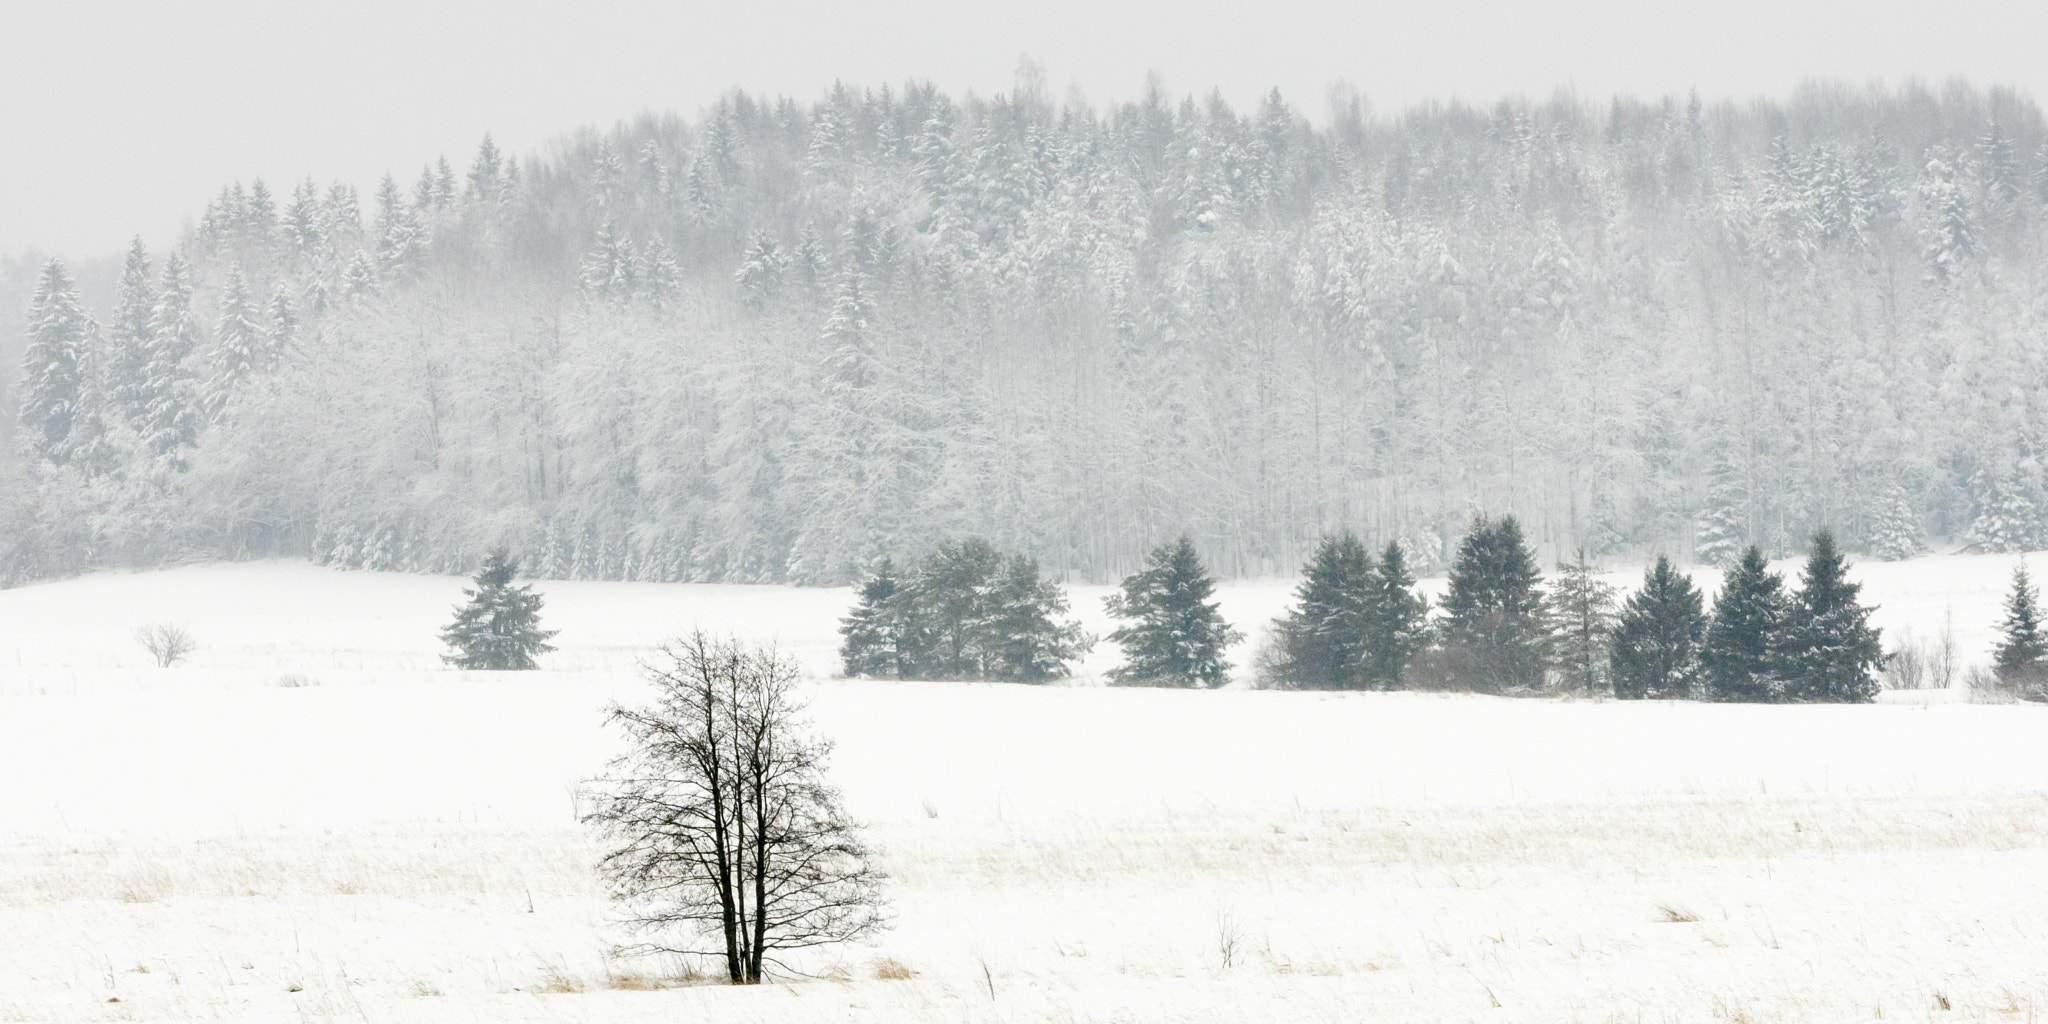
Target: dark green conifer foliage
[[1321, 642], [1581, 624], [2021, 656], [1028, 643], [1748, 614], [1494, 611], [1178, 639], [1656, 651], [499, 629], [873, 630], [965, 612], [1396, 620], [1830, 652]]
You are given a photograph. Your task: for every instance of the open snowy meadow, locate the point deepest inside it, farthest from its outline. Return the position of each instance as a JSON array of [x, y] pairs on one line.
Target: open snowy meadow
[[312, 819]]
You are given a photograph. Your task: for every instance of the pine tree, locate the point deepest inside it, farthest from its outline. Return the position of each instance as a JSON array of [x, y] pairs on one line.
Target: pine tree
[[1581, 623], [873, 631], [399, 236], [1748, 614], [1029, 643], [1396, 626], [53, 379], [1178, 638], [2021, 657], [128, 344], [2005, 518], [1321, 642], [1830, 651], [1895, 534], [1724, 526], [281, 334], [172, 415], [499, 629], [238, 345], [1656, 648], [1494, 610]]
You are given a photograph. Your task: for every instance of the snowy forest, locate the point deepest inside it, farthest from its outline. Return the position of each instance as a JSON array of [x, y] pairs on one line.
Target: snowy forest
[[780, 340]]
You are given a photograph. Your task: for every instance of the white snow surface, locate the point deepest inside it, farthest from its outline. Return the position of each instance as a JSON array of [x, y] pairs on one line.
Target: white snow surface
[[397, 841]]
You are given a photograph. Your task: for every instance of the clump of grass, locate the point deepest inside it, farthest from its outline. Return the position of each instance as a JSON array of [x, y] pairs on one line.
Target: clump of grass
[[555, 980], [423, 989], [295, 680], [1672, 913], [892, 969]]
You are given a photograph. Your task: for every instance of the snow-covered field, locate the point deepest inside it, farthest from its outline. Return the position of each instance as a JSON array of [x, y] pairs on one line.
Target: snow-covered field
[[396, 842]]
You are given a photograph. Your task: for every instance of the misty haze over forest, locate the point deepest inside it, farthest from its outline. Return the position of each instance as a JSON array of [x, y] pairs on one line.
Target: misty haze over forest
[[776, 341]]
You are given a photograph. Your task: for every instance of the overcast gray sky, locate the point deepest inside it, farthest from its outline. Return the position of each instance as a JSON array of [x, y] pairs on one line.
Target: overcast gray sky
[[122, 116]]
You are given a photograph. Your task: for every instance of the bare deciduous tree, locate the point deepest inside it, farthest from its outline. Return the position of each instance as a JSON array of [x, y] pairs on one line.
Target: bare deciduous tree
[[728, 839], [167, 642]]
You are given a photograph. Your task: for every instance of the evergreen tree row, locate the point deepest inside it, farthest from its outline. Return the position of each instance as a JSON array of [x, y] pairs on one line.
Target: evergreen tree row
[[1359, 625], [963, 612]]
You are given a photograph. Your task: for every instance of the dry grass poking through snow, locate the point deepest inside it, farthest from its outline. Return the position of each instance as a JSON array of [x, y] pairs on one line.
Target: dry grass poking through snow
[[1809, 908]]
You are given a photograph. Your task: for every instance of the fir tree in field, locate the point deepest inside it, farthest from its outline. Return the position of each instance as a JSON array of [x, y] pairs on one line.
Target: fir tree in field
[[239, 346], [1739, 654], [966, 612], [1178, 638], [1321, 641], [499, 629], [1657, 637], [1830, 652], [2021, 656], [1494, 611], [52, 367], [1029, 644], [1581, 623], [874, 630], [1395, 621]]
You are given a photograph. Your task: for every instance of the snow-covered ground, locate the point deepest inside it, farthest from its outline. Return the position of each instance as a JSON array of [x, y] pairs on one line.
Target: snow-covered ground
[[396, 841]]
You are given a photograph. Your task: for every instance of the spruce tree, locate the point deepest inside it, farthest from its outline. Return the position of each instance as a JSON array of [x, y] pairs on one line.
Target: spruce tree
[[129, 343], [2022, 652], [1396, 624], [52, 374], [1494, 610], [1321, 642], [1657, 637], [238, 344], [499, 628], [1895, 531], [1738, 655], [1830, 652], [1178, 639], [171, 421], [1029, 643], [1581, 623], [874, 630]]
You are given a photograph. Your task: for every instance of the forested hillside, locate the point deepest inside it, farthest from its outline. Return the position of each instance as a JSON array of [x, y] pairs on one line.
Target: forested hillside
[[778, 340]]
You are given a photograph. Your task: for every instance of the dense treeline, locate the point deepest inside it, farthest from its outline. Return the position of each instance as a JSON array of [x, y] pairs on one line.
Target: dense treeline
[[775, 341]]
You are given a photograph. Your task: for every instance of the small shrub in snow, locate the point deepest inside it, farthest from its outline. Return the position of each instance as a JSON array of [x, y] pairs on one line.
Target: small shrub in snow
[[167, 642]]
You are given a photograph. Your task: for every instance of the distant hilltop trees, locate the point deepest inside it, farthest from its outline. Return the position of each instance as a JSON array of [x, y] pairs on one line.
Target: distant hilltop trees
[[775, 341]]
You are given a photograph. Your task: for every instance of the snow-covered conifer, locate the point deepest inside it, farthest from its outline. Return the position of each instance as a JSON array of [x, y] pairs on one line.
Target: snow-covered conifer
[[1657, 637], [1177, 638], [1829, 651]]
